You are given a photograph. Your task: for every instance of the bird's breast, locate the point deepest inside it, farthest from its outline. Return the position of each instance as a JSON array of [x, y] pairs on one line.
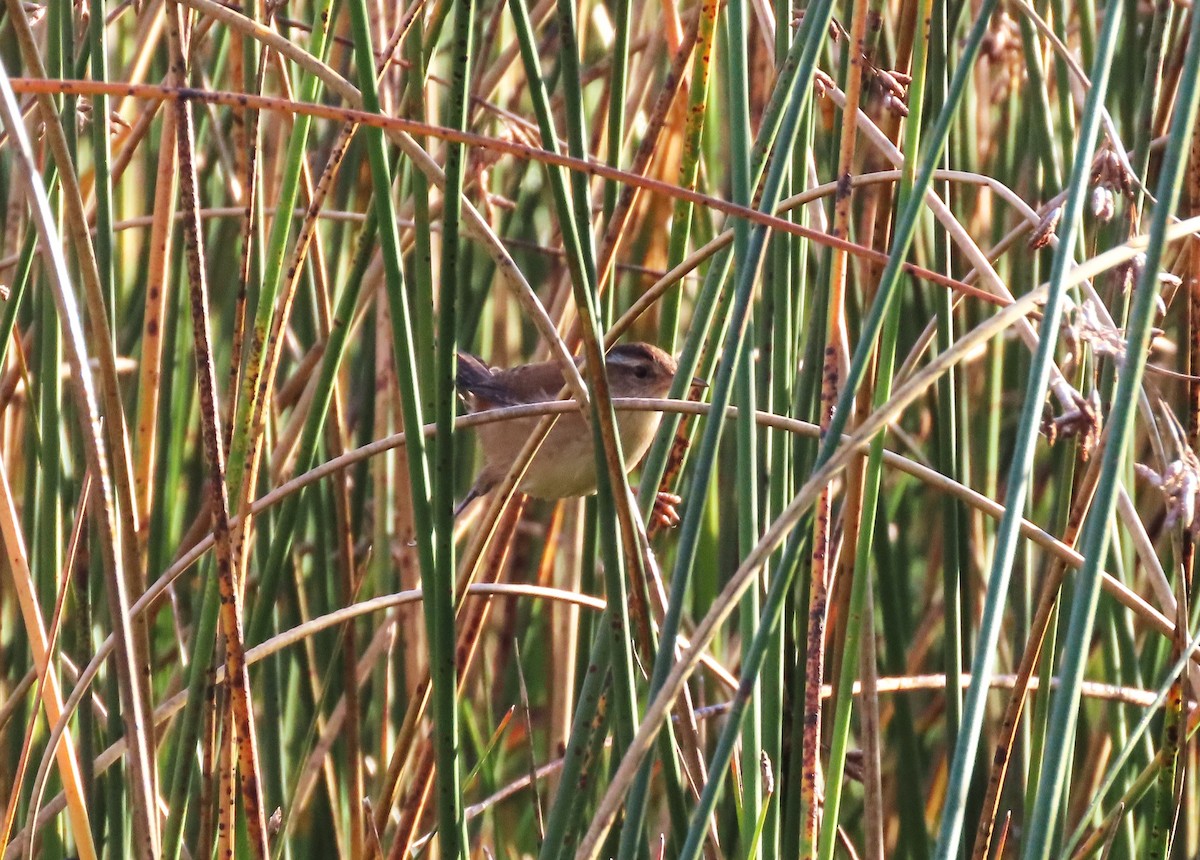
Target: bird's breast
[[565, 465]]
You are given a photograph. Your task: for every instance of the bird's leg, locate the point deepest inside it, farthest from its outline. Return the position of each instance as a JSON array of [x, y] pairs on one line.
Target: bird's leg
[[471, 496]]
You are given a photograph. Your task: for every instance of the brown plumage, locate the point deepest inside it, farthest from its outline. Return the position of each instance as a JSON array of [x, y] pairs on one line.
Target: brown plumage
[[565, 465]]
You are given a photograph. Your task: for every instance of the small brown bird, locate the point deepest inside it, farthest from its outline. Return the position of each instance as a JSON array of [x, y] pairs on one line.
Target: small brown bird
[[565, 465]]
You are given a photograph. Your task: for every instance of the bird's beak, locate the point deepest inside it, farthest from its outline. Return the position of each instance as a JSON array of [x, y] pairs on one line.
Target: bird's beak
[[697, 382]]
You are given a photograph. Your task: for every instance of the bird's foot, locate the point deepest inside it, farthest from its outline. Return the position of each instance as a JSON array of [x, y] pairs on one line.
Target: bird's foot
[[664, 514]]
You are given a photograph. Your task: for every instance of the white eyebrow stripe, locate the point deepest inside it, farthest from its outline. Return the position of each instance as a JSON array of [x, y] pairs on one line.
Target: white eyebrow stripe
[[629, 356]]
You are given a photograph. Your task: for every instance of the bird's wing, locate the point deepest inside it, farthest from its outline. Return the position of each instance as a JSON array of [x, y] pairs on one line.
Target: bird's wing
[[538, 383], [516, 386]]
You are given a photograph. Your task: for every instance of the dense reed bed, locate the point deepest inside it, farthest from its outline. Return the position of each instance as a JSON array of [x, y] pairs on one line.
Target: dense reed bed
[[930, 591]]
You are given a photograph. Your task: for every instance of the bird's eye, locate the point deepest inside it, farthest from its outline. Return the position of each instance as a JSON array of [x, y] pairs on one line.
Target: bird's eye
[[642, 372]]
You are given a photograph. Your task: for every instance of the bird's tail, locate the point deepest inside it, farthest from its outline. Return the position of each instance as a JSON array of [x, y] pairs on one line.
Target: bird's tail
[[472, 375]]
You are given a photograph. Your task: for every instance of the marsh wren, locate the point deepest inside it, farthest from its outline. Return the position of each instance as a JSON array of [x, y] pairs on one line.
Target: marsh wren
[[565, 465]]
